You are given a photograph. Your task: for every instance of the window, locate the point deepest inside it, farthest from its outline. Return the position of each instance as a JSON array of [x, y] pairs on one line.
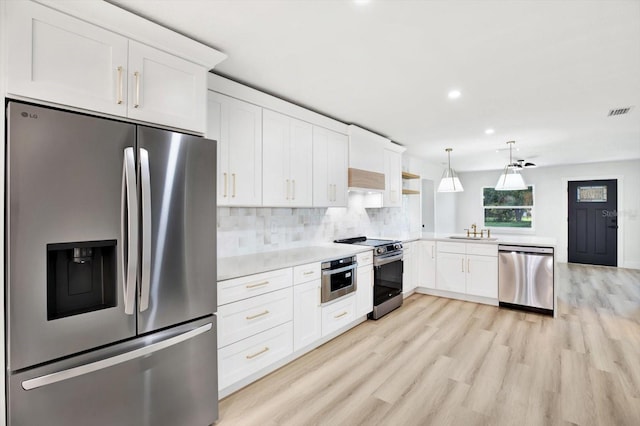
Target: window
[[508, 209]]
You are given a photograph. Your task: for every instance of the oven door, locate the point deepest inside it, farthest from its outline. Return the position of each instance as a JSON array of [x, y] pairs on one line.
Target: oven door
[[338, 282], [387, 277]]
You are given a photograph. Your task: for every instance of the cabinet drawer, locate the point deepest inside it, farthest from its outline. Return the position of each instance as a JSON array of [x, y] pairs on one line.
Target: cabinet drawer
[[253, 285], [305, 273], [239, 320], [483, 249], [248, 356], [445, 247], [338, 314], [365, 258]]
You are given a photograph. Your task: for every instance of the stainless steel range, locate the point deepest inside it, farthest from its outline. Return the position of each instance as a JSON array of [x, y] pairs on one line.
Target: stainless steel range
[[387, 273]]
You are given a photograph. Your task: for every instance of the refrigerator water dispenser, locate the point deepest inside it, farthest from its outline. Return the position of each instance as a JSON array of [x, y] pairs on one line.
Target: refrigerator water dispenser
[[81, 277]]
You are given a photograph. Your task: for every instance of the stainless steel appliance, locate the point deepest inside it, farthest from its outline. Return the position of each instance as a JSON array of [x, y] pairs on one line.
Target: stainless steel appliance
[[111, 272], [387, 273], [525, 278], [338, 278]]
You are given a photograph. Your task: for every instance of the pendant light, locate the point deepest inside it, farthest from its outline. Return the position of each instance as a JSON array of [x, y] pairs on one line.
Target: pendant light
[[450, 181], [510, 179]]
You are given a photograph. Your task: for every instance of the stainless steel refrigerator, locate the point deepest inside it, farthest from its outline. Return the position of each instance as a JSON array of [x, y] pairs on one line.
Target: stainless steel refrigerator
[[110, 272]]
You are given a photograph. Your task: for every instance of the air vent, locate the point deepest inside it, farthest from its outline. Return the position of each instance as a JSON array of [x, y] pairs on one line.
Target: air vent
[[619, 111]]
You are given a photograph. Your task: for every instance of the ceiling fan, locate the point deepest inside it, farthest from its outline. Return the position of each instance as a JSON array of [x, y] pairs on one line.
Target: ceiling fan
[[523, 164]]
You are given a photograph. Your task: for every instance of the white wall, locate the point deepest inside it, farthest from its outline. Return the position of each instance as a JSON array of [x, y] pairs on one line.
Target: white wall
[[550, 191], [445, 204]]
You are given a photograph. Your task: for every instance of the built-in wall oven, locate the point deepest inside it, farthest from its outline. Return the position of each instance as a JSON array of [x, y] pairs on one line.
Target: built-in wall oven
[[387, 273], [338, 278]]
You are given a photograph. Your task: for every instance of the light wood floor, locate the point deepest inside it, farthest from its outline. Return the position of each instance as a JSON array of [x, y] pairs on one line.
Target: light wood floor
[[437, 361]]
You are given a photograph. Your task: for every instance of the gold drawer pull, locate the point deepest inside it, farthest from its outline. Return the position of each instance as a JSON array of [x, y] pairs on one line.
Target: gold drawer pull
[[341, 315], [257, 284], [308, 273], [266, 348], [250, 317]]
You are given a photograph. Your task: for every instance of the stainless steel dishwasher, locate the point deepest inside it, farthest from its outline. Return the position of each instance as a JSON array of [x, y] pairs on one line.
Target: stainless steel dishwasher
[[525, 278]]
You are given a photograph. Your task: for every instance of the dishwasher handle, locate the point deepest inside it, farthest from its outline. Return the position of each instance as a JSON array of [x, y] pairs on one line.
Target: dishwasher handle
[[526, 249]]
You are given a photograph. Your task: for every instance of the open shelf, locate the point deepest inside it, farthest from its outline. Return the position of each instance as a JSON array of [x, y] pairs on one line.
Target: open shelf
[[407, 175], [410, 191]]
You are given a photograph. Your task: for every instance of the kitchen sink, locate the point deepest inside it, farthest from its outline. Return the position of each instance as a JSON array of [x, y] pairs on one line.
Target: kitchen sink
[[462, 237]]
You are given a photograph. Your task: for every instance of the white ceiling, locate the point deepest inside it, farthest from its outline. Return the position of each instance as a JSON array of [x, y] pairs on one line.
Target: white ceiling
[[542, 73]]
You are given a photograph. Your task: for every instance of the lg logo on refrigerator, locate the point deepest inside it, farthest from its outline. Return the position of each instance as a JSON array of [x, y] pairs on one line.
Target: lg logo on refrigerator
[[28, 115]]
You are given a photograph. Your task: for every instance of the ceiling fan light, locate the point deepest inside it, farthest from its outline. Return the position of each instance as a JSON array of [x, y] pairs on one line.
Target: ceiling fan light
[[510, 180]]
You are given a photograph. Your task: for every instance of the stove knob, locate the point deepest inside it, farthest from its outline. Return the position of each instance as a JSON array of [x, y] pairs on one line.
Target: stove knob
[[380, 250], [397, 246]]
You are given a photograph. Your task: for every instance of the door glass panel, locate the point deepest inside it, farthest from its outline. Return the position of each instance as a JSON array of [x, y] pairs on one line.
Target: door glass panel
[[592, 194]]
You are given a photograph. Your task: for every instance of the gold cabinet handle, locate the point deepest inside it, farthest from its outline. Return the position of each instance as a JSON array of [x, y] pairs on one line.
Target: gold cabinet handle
[[233, 180], [308, 273], [261, 314], [225, 184], [469, 266], [293, 190], [136, 75], [462, 264], [433, 254], [119, 69], [287, 183], [266, 348], [254, 285], [341, 315]]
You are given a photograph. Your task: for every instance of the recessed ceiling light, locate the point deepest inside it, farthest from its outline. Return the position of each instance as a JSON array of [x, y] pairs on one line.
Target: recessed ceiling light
[[489, 132], [454, 94]]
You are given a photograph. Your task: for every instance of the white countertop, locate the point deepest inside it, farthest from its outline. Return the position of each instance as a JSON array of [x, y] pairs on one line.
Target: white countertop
[[249, 264], [525, 240]]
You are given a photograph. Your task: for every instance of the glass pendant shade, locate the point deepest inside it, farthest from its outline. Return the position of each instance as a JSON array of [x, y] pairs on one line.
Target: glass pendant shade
[[450, 181], [510, 180]]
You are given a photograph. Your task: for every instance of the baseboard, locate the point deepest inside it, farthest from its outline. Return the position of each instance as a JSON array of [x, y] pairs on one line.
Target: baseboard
[[458, 296], [631, 264]]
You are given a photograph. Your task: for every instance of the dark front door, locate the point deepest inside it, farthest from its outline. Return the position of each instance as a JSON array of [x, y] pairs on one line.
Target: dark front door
[[593, 222]]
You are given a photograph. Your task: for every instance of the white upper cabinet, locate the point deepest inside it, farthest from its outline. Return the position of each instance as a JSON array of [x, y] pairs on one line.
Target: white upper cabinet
[[330, 168], [237, 126], [58, 58], [366, 150], [287, 161], [166, 89], [393, 178]]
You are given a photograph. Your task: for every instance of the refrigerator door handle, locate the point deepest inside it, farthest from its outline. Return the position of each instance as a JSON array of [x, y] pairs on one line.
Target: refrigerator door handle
[[145, 179], [129, 230], [70, 373]]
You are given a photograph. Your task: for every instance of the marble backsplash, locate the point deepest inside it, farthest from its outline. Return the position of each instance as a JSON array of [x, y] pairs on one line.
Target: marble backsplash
[[253, 230]]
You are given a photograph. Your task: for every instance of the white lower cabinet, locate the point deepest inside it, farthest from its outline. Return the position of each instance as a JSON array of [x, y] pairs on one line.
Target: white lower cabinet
[[338, 314], [469, 268], [482, 276], [364, 291], [307, 314], [248, 356], [410, 267], [427, 264], [251, 316]]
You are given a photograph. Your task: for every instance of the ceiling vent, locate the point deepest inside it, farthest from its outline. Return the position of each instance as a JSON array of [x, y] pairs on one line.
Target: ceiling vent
[[619, 111]]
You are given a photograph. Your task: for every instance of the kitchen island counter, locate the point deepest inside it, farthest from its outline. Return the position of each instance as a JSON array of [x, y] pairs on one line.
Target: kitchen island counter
[[524, 240]]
